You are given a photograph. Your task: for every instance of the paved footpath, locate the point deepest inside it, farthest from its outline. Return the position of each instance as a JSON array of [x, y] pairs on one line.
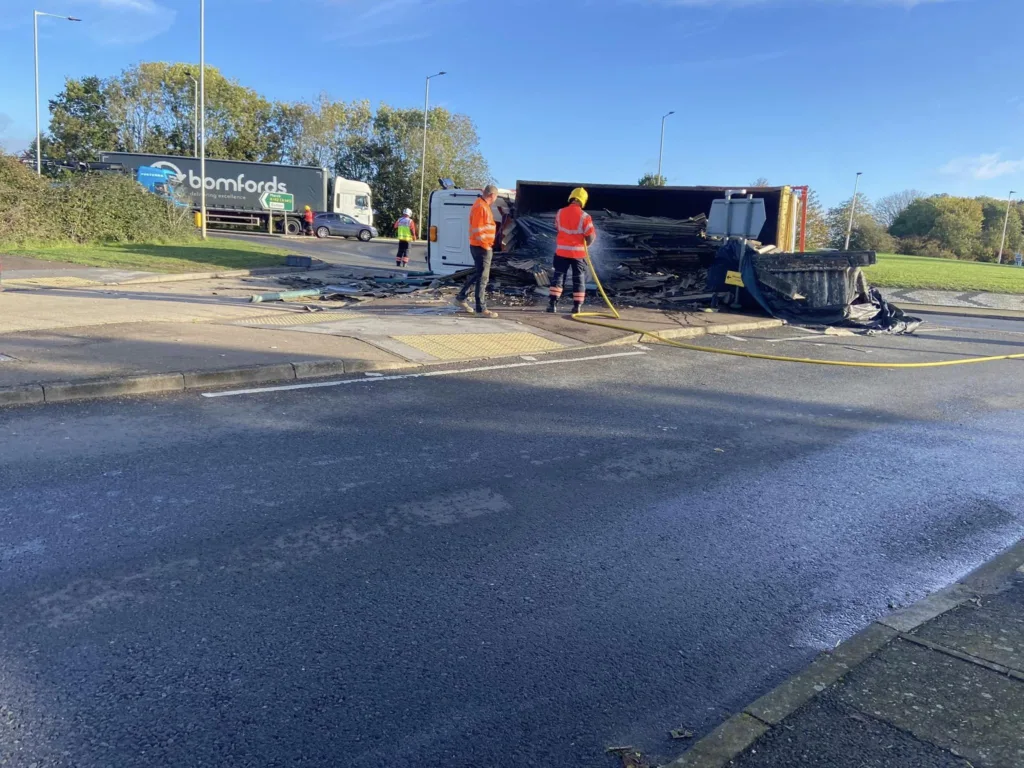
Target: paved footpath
[[937, 685], [61, 343]]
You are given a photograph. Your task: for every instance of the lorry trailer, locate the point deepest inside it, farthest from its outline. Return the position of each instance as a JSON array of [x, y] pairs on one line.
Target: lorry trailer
[[257, 196], [448, 224]]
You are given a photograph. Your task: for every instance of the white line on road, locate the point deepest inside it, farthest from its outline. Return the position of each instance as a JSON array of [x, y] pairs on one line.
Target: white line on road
[[398, 377]]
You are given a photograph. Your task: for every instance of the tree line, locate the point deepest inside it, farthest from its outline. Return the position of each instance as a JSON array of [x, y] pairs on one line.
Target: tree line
[[150, 108], [910, 222]]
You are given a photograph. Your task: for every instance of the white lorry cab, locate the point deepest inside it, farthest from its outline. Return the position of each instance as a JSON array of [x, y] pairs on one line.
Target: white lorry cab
[[448, 227], [353, 198]]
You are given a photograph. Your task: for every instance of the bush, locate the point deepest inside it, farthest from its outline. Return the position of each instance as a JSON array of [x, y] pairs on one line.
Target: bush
[[84, 208], [923, 246]]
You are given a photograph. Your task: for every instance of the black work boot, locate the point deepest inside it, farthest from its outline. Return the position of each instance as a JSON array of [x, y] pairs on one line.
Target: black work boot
[[552, 303], [577, 308]]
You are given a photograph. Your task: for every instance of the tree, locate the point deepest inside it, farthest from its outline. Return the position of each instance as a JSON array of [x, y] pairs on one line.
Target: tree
[[321, 132], [760, 181], [867, 234], [80, 125], [958, 225], [994, 213], [388, 156], [652, 180], [817, 226], [916, 220], [889, 208]]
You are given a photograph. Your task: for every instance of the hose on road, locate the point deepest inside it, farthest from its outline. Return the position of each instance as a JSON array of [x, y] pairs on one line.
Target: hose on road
[[590, 318]]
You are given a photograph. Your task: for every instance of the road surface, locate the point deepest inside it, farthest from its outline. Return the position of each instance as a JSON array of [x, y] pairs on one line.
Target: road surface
[[510, 567], [340, 251]]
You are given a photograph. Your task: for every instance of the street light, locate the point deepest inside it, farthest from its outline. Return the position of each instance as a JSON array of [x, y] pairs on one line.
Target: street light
[[853, 208], [202, 116], [423, 157], [35, 38], [661, 152], [1005, 222], [195, 115]]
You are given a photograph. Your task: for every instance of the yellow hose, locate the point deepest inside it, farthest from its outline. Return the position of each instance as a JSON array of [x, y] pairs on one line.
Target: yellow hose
[[584, 317]]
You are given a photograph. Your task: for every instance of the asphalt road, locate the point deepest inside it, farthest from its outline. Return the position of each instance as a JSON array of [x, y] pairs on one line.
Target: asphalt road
[[339, 251], [515, 567]]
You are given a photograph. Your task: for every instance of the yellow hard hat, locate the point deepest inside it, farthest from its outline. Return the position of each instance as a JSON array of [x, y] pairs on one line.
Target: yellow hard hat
[[307, 207], [579, 194]]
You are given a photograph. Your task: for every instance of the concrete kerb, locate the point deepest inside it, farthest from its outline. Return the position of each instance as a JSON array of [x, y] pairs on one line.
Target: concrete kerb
[[735, 735], [696, 331], [157, 383]]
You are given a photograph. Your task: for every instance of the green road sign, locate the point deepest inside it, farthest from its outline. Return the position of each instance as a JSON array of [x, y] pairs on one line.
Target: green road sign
[[278, 201]]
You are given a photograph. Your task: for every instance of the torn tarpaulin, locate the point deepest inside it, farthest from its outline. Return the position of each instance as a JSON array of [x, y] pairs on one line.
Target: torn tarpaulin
[[820, 288]]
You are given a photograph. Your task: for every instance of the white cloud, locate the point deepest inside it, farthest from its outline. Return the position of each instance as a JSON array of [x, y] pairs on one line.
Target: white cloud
[[983, 167], [121, 22]]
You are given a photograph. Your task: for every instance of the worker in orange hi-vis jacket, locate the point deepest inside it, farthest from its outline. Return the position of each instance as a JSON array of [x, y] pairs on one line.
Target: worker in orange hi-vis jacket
[[575, 232], [482, 234]]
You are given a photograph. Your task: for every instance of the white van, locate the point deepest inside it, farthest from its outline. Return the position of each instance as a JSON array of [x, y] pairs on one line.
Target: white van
[[448, 227], [353, 198]]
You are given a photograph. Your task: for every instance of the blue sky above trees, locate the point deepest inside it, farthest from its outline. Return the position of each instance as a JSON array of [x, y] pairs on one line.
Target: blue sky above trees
[[923, 94]]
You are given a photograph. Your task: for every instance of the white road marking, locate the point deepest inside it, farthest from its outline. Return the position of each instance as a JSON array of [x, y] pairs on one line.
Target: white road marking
[[427, 374], [735, 338]]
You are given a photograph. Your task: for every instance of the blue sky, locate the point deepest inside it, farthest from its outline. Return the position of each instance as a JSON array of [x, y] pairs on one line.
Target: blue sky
[[925, 94]]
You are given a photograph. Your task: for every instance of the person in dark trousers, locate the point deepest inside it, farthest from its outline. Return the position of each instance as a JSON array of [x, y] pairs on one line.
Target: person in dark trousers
[[575, 232], [405, 228], [482, 234], [308, 216]]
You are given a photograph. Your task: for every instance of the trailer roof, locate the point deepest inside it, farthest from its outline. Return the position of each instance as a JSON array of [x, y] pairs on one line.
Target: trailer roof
[[216, 159]]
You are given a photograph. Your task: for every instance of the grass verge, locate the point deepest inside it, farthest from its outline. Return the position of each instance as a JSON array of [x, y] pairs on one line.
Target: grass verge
[[188, 257], [893, 271]]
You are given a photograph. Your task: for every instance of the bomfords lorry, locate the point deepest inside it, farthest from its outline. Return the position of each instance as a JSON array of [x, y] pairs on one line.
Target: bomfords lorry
[[255, 195]]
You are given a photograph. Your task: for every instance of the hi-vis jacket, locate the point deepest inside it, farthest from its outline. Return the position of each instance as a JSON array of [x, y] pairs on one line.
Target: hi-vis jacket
[[574, 227], [482, 230]]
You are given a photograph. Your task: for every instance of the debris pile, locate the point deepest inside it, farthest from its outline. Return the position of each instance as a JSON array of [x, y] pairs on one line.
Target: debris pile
[[643, 260]]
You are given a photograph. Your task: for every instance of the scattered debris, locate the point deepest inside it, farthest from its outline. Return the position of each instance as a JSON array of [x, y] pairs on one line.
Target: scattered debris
[[681, 734], [631, 758]]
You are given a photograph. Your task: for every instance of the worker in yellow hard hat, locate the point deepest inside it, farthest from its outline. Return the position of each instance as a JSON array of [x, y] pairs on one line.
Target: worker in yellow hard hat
[[309, 216], [575, 232]]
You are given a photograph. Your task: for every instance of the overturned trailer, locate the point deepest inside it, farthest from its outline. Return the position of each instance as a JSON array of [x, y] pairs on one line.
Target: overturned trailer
[[448, 243], [653, 249]]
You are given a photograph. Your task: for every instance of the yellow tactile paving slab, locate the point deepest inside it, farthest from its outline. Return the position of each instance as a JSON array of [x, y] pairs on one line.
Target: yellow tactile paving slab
[[50, 282], [286, 319], [459, 346]]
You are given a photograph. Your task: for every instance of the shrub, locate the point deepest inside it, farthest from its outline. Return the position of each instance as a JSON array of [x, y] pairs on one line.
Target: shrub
[[84, 208]]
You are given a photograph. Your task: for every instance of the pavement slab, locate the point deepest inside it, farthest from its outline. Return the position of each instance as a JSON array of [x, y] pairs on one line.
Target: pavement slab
[[954, 704], [827, 733], [992, 628]]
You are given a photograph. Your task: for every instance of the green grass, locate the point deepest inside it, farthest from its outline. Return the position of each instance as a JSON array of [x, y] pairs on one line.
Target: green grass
[[189, 257], [894, 271]]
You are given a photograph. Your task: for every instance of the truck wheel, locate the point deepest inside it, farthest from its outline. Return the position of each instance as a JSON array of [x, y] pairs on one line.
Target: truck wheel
[[364, 235], [294, 227], [323, 232]]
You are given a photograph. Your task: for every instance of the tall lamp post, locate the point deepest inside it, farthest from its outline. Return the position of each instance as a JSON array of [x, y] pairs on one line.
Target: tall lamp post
[[661, 152], [35, 38], [853, 210], [423, 157], [195, 115], [1006, 221], [202, 115]]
